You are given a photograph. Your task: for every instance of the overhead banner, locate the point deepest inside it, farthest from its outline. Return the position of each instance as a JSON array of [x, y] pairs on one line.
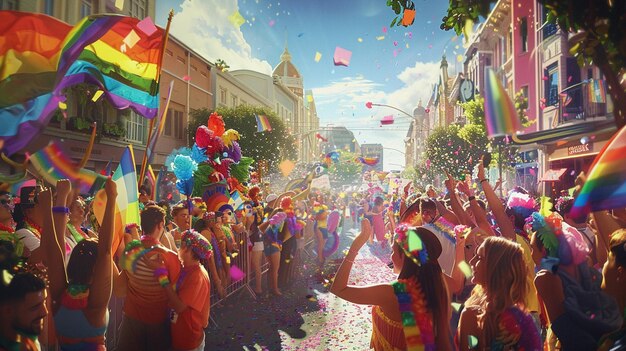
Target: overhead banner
[[322, 182]]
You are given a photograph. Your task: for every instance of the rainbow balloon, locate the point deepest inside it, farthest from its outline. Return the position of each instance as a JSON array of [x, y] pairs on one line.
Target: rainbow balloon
[[605, 187], [500, 115]]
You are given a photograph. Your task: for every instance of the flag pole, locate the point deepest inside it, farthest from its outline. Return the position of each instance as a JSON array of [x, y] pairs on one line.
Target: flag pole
[[144, 162]]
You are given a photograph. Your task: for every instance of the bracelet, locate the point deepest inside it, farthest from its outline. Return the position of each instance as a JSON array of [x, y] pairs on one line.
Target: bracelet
[[471, 198], [161, 275], [60, 209], [484, 180]]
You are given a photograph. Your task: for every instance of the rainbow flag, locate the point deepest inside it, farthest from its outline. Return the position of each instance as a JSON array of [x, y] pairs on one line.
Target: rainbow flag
[[369, 161], [262, 124], [42, 56], [605, 187], [53, 164], [125, 177], [500, 115], [596, 91]]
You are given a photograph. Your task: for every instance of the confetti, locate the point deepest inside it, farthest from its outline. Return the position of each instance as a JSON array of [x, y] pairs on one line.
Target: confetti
[[382, 37], [97, 95], [459, 58], [119, 4], [472, 341], [62, 105], [236, 19], [318, 56], [131, 39], [456, 306], [236, 274], [342, 56], [286, 167], [300, 35], [384, 29], [186, 78], [466, 269], [6, 277], [147, 26], [272, 23], [360, 40]]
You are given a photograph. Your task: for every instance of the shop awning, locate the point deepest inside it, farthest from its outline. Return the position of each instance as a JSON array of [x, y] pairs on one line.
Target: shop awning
[[553, 175]]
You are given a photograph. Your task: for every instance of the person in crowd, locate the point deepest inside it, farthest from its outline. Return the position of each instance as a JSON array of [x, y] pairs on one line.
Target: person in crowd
[[145, 325], [80, 295], [6, 217], [292, 228], [494, 317], [614, 284], [189, 296], [215, 267], [563, 206], [223, 244], [28, 218], [75, 232], [578, 311], [377, 219], [412, 311], [22, 302], [320, 216], [180, 218], [253, 219], [272, 246], [145, 194]]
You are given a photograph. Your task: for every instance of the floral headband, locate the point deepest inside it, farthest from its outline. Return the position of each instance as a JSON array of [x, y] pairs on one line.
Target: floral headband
[[411, 244], [198, 244]]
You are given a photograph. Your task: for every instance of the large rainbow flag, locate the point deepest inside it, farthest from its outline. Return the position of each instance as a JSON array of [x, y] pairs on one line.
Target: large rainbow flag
[[41, 56], [605, 187], [53, 164]]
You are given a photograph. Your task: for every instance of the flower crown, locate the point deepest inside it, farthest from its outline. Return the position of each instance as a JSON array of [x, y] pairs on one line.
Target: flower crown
[[198, 244], [411, 243]]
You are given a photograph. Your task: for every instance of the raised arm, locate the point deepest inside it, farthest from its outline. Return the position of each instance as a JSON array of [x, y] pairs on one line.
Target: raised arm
[[102, 275], [463, 217], [378, 295], [53, 255], [506, 227], [479, 213]]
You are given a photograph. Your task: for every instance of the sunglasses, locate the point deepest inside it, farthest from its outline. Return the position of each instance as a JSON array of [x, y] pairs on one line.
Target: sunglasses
[[228, 213]]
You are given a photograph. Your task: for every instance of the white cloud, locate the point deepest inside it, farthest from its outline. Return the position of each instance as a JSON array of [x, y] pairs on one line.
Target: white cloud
[[343, 103], [204, 27]]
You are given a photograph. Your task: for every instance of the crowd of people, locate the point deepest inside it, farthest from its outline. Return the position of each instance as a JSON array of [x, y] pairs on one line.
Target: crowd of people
[[61, 265], [481, 272]]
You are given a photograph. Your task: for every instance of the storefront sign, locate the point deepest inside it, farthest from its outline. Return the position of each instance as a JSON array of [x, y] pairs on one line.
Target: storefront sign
[[579, 149]]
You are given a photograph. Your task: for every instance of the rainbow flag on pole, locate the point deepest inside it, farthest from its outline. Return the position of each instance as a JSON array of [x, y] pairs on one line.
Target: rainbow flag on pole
[[500, 115], [53, 164], [262, 124], [605, 187], [121, 55]]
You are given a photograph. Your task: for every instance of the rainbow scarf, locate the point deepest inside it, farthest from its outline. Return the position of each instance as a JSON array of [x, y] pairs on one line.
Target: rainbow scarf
[[417, 321], [121, 55], [605, 187]]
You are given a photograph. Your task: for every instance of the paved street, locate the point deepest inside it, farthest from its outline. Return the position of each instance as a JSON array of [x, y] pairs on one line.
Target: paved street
[[307, 317]]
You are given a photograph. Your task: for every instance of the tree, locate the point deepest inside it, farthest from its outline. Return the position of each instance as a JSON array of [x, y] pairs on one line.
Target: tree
[[600, 35], [447, 151], [347, 169], [221, 65], [272, 146]]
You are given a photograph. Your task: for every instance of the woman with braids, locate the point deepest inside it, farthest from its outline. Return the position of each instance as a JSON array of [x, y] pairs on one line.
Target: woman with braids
[[80, 297], [494, 317], [413, 312]]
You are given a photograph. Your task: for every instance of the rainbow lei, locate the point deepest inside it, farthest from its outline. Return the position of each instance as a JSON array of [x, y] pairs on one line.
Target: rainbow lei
[[416, 320], [132, 253], [34, 228], [444, 227], [161, 275], [75, 297], [78, 237]]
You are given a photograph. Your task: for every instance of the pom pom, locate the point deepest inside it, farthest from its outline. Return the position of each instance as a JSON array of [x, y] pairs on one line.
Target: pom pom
[[278, 218], [170, 158], [286, 203], [185, 186], [234, 152], [184, 167], [204, 136], [198, 154], [230, 136], [216, 124]]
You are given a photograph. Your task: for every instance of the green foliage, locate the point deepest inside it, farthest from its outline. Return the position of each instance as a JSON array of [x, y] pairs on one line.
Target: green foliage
[[113, 130], [240, 171], [398, 7], [447, 151], [347, 169], [273, 146], [221, 65], [201, 179]]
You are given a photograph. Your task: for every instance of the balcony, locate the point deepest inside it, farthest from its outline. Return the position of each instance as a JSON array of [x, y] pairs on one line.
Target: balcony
[[583, 101]]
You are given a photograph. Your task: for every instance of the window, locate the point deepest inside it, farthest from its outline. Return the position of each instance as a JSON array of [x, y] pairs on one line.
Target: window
[[523, 29], [48, 8], [525, 91], [136, 128], [138, 8], [167, 128], [223, 96], [179, 129], [552, 84], [86, 8], [549, 29], [235, 100], [8, 5]]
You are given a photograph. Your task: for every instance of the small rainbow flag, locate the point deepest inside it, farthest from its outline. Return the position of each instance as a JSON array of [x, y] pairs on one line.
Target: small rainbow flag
[[500, 115], [369, 161], [53, 164], [596, 91], [605, 187], [262, 124]]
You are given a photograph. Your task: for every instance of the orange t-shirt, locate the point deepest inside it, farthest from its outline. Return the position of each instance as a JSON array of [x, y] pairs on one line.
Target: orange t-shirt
[[195, 291], [146, 300]]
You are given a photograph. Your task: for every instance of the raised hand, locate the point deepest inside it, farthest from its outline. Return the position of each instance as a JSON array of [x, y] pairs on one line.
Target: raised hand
[[364, 236], [110, 188], [64, 188], [450, 182], [465, 188], [481, 169]]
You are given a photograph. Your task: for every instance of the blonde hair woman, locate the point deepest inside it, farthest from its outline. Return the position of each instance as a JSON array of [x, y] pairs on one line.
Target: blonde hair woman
[[494, 317]]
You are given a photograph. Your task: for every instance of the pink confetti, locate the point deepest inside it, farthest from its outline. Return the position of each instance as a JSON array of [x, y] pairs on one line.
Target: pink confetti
[[186, 78], [272, 23], [236, 274], [395, 43], [147, 26], [544, 77], [430, 46], [569, 79], [384, 29], [410, 34]]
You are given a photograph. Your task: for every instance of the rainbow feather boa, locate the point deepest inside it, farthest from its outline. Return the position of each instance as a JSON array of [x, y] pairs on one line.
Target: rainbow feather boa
[[417, 321], [516, 330]]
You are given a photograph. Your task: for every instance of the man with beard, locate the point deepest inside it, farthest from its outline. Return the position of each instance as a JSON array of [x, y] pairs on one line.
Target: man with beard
[[23, 309]]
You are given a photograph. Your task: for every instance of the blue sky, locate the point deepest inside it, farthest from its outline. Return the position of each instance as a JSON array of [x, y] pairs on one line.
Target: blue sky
[[397, 70]]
